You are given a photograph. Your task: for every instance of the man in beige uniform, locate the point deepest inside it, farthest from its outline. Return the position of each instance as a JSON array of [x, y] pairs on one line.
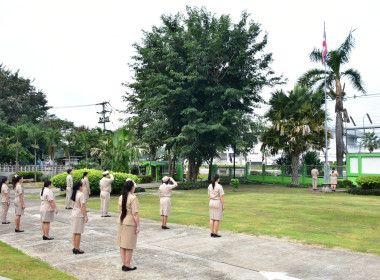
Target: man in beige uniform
[[105, 191], [69, 188], [314, 175]]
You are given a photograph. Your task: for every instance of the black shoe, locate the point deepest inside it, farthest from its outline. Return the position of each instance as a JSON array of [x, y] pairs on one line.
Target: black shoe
[[68, 208], [6, 223], [47, 238], [212, 234], [126, 268], [17, 230], [106, 216], [76, 251], [217, 235], [165, 227]]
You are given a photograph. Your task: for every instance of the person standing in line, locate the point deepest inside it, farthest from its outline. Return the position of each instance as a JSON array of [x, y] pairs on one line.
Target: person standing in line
[[47, 209], [165, 193], [86, 186], [128, 224], [216, 197], [78, 216], [333, 179], [5, 200], [105, 192], [314, 175], [19, 201], [69, 188]]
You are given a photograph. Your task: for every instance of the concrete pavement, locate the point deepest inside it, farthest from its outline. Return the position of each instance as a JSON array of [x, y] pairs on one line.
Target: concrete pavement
[[180, 253]]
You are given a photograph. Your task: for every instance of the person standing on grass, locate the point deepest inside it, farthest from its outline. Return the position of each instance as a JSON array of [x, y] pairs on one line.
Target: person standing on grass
[[47, 209], [78, 216], [5, 200], [314, 175], [86, 186], [19, 201], [333, 179], [128, 224], [105, 192], [216, 197], [69, 188], [165, 193]]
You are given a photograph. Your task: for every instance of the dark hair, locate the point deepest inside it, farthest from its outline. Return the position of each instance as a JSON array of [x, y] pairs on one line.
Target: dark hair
[[128, 185], [76, 187], [214, 179], [46, 184], [69, 170], [84, 174], [315, 166], [333, 169], [3, 180], [166, 182], [15, 180]]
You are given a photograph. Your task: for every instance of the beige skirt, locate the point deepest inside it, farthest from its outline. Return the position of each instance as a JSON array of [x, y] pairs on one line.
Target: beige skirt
[[333, 180], [216, 210], [165, 205], [77, 225], [126, 237], [47, 216], [18, 208]]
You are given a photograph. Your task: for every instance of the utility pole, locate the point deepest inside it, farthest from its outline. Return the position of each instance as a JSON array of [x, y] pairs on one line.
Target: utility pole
[[103, 118]]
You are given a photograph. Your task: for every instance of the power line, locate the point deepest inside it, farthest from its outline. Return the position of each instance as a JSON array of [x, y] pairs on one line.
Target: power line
[[73, 106]]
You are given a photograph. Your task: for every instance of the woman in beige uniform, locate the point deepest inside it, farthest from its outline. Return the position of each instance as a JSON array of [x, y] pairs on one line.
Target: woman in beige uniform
[[128, 224], [165, 192], [47, 209], [86, 186], [215, 195], [5, 200], [19, 201], [78, 216], [333, 179]]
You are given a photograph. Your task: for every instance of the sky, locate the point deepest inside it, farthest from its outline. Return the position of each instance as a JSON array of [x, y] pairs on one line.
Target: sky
[[77, 52]]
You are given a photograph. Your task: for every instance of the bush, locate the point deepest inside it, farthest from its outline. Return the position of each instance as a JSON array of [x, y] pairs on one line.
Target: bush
[[139, 189], [345, 184], [30, 174], [234, 183], [298, 186], [189, 185], [368, 182], [361, 191], [94, 176], [145, 179]]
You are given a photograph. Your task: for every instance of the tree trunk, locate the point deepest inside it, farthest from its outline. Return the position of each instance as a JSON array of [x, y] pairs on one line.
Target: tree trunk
[[69, 159], [295, 165], [86, 160], [190, 170], [173, 166], [210, 169], [35, 163], [17, 165], [169, 162], [339, 142], [196, 170]]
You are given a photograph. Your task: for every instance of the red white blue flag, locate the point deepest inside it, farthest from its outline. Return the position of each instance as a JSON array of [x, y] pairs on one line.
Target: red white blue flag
[[324, 51]]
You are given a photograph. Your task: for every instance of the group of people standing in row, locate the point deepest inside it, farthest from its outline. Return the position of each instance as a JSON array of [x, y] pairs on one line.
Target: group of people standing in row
[[128, 208], [333, 178]]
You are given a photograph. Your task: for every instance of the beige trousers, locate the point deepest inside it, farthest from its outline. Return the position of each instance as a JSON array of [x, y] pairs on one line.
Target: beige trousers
[[104, 202], [69, 192], [315, 183], [4, 212]]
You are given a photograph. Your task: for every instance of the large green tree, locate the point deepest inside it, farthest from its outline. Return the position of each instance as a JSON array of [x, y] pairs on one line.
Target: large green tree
[[297, 124], [198, 78], [316, 77], [371, 141]]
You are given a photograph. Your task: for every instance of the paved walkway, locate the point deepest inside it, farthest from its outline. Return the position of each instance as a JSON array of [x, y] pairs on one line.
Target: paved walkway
[[181, 253]]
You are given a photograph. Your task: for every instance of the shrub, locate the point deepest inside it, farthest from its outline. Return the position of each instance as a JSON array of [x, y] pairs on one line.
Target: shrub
[[368, 182], [361, 191], [30, 174], [189, 185], [145, 178], [139, 189], [345, 184], [234, 183], [298, 186], [94, 176]]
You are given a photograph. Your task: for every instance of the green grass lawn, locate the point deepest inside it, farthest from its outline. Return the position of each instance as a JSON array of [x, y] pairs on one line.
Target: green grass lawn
[[14, 264], [332, 220]]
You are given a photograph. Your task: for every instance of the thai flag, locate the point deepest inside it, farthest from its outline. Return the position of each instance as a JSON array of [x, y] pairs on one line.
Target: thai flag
[[324, 52]]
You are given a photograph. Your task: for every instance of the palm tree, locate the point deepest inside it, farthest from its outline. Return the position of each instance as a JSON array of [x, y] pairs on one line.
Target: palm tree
[[69, 139], [35, 135], [371, 141], [297, 125], [6, 148], [53, 138], [315, 77], [18, 132]]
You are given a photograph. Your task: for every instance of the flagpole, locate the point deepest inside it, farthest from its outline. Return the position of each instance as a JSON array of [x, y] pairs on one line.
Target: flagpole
[[327, 169]]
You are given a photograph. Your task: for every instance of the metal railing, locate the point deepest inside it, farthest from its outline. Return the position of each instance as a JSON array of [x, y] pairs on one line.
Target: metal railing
[[43, 168]]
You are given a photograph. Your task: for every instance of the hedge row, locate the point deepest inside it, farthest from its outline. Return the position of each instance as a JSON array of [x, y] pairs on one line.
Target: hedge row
[[300, 186], [345, 184], [368, 182], [145, 179], [30, 174], [94, 176], [361, 191], [189, 185]]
